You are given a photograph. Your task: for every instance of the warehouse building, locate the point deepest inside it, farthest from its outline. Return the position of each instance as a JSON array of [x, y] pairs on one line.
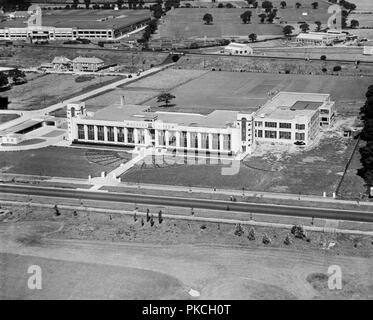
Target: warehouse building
[[321, 38]]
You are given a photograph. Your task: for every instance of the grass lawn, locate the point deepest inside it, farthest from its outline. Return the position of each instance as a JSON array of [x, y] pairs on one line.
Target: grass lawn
[[43, 90], [308, 172], [7, 117], [61, 162], [243, 91]]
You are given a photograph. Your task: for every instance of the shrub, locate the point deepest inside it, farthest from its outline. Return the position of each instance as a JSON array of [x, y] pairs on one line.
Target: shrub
[[324, 70], [287, 240], [323, 57], [266, 239], [251, 235], [238, 230], [298, 232], [337, 68]]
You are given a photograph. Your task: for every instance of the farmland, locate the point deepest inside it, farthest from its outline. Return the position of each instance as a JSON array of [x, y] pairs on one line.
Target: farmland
[[7, 117]]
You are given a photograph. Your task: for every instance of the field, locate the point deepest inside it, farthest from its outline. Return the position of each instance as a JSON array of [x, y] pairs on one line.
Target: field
[[61, 162], [365, 5], [188, 23], [128, 261], [43, 90], [7, 117], [243, 91]]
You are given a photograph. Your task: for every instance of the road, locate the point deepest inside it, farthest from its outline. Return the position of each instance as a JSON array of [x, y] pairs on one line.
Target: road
[[271, 209]]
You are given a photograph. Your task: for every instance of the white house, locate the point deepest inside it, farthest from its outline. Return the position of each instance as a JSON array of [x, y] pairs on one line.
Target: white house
[[235, 48]]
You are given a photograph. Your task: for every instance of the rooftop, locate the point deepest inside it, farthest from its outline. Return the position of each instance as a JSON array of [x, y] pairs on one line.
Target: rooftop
[[84, 19], [289, 105], [87, 60], [117, 112]]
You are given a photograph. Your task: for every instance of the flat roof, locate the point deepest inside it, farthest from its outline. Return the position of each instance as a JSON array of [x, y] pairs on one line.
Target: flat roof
[[288, 105], [84, 19], [117, 112]]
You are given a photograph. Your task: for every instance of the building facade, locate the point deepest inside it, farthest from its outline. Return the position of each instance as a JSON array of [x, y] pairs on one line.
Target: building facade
[[287, 118], [240, 49], [320, 38], [87, 64]]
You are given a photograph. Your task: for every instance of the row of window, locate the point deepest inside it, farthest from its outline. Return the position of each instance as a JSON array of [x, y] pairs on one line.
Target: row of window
[[282, 125], [205, 143], [269, 134]]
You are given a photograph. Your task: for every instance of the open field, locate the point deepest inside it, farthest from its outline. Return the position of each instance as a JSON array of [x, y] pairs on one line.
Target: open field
[[131, 261], [363, 5], [274, 170], [7, 117], [43, 90], [243, 91], [61, 162], [188, 23]]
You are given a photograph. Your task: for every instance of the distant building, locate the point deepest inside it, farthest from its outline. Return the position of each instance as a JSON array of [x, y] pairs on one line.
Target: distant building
[[235, 48], [321, 38], [87, 64], [70, 25], [62, 64]]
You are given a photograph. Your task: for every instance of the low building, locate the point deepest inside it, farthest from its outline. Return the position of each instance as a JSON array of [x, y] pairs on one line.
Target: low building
[[235, 48], [62, 64], [87, 64], [291, 117], [220, 132], [320, 38]]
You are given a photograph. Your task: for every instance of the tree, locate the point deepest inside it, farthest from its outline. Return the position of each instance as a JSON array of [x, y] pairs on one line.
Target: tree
[[238, 231], [75, 4], [3, 80], [271, 16], [160, 218], [208, 18], [266, 239], [315, 5], [87, 3], [12, 5], [166, 98], [287, 240], [283, 4], [120, 4], [17, 76], [252, 3], [298, 5], [267, 5], [323, 57], [288, 30], [298, 232], [354, 24], [262, 17], [246, 16], [304, 27], [253, 37], [318, 26], [229, 5]]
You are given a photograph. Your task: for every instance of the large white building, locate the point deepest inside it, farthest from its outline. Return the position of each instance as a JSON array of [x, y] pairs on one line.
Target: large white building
[[223, 132], [321, 38], [287, 118], [71, 25], [239, 49]]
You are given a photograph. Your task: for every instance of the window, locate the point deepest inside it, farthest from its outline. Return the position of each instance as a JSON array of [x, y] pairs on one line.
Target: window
[[204, 141], [271, 124], [270, 134], [258, 124], [285, 125], [120, 134], [300, 126], [260, 133], [100, 133], [162, 137], [172, 138], [285, 135], [81, 134], [194, 140], [323, 111], [110, 133], [324, 119], [215, 141], [227, 142], [300, 136], [91, 133], [183, 139], [140, 136], [130, 135]]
